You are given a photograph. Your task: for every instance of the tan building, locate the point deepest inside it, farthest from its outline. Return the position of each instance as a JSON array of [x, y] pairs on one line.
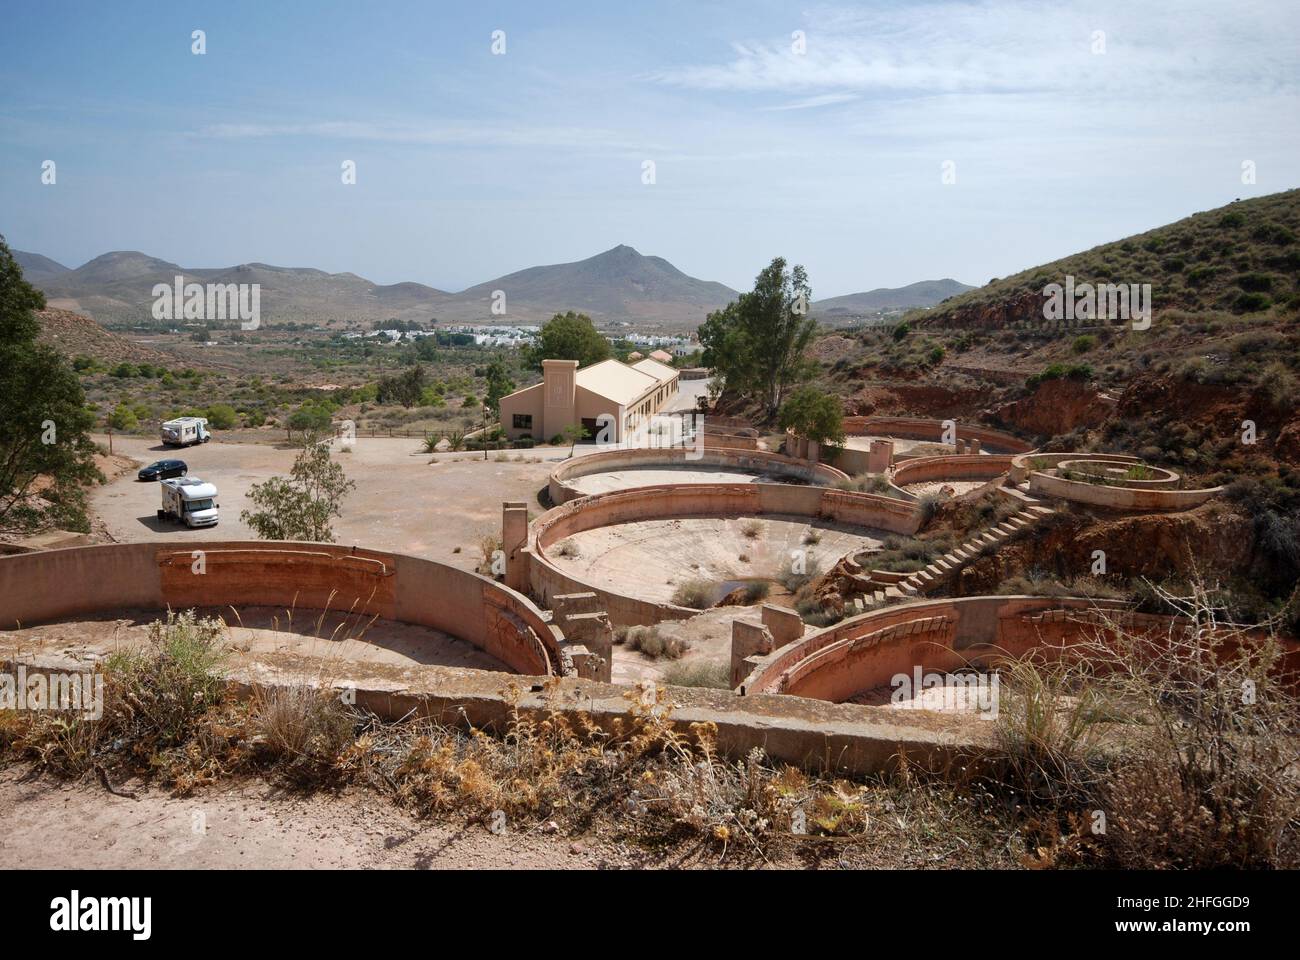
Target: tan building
[[626, 393], [663, 356]]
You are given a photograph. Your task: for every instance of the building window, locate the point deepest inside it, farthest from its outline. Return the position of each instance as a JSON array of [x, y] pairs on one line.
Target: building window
[[523, 421]]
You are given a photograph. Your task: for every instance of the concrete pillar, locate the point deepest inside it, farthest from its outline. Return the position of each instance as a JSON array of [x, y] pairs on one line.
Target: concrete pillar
[[559, 397], [594, 632], [975, 446], [814, 451], [786, 626], [880, 456], [747, 639], [514, 538]]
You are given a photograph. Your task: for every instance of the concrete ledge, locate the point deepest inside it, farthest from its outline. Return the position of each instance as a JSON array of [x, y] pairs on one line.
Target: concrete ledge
[[841, 738], [562, 489]]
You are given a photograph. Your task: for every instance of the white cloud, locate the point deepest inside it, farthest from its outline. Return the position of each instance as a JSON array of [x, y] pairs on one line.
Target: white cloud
[[1004, 47]]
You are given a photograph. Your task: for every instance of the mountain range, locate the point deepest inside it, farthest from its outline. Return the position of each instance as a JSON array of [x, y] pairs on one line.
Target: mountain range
[[617, 286]]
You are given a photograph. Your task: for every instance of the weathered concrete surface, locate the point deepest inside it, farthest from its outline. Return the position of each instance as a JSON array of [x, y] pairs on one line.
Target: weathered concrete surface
[[843, 738], [53, 585], [609, 470], [865, 517]]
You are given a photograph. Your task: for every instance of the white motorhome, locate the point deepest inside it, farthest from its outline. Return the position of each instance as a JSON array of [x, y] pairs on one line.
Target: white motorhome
[[184, 431], [190, 500]]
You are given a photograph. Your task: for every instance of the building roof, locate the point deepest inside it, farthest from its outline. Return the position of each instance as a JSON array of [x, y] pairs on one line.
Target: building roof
[[617, 382], [663, 356], [654, 368]]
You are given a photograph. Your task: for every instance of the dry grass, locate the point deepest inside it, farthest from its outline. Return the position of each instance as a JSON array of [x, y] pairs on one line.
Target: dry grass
[[695, 593], [1182, 747]]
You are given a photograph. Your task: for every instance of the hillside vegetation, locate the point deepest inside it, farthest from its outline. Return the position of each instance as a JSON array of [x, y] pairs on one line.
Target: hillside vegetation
[[1240, 258]]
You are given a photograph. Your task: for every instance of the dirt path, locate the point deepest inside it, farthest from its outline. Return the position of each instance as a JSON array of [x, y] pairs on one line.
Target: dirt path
[[45, 823]]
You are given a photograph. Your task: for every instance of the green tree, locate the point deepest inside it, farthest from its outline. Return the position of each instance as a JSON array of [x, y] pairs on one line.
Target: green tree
[[309, 418], [404, 388], [569, 336], [755, 345], [123, 418], [498, 385], [222, 416], [301, 506], [815, 415], [44, 423]]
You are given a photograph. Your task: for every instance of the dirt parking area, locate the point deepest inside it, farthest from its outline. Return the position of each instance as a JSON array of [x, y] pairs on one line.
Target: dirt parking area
[[434, 506]]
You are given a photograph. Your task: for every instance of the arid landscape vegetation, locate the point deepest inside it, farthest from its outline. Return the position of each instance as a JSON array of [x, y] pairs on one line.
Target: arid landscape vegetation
[[839, 439]]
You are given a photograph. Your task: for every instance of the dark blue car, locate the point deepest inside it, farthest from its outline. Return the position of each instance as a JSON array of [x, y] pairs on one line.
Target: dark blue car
[[162, 469]]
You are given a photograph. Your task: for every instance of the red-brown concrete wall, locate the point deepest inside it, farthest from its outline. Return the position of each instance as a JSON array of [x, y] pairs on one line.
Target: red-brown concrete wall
[[52, 585]]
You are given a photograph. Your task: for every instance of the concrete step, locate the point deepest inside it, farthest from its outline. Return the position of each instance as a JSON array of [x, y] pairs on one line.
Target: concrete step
[[893, 593], [907, 588]]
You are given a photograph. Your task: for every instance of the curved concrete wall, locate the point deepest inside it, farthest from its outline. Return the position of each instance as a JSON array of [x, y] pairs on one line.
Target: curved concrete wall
[[1162, 478], [944, 636], [53, 585], [920, 428], [1118, 498], [675, 501], [956, 467], [1025, 463], [562, 489]]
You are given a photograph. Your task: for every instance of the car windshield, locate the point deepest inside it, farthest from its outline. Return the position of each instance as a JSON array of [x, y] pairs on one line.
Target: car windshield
[[155, 466], [193, 506]]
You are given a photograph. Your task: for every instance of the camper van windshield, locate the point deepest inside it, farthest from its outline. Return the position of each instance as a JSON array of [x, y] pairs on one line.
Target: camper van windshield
[[193, 506]]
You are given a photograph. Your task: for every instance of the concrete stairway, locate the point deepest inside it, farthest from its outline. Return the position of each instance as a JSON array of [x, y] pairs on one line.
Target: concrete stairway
[[952, 563], [877, 594]]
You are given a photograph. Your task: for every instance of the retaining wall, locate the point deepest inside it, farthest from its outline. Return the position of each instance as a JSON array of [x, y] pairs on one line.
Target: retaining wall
[[956, 467], [52, 585], [562, 489], [679, 501], [920, 428], [865, 652]]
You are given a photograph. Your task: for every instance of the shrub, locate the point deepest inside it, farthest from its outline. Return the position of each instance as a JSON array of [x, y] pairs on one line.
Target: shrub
[[751, 529], [303, 728], [651, 643], [568, 548], [711, 674], [1083, 344], [1252, 302], [695, 593]]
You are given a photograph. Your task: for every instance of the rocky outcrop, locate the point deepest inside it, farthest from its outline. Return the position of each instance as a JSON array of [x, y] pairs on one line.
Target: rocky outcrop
[[1056, 407]]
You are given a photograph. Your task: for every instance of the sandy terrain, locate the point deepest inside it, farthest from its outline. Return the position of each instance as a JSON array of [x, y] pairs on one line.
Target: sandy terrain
[[648, 476], [330, 638], [402, 502], [958, 486], [49, 824], [650, 558]]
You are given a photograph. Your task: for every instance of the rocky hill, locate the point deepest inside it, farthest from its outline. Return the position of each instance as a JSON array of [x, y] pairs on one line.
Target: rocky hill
[[1234, 260], [925, 293], [617, 285]]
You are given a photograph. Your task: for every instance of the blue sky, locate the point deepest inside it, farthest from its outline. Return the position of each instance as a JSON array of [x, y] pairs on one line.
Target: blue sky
[[471, 165]]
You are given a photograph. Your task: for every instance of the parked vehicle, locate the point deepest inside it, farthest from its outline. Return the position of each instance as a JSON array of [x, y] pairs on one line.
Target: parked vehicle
[[190, 500], [184, 431], [162, 469]]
